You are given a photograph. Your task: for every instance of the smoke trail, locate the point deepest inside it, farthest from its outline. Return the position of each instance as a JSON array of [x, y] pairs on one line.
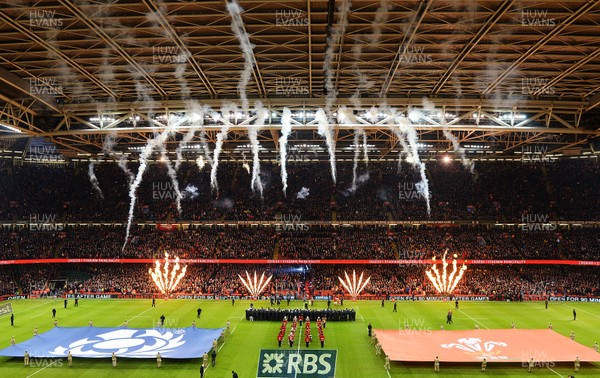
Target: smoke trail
[[261, 116], [195, 118], [429, 106], [146, 153], [303, 193], [457, 148], [338, 30], [198, 113], [94, 180], [407, 135], [381, 17], [200, 162], [356, 156], [187, 138], [286, 129], [411, 136], [190, 192], [108, 148], [326, 130], [346, 116], [226, 110], [237, 26], [172, 174], [365, 147]]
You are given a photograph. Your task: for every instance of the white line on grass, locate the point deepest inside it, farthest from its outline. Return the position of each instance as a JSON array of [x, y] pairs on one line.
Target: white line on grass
[[31, 308], [475, 320], [47, 366], [388, 373], [358, 311], [587, 312], [554, 371], [141, 313]]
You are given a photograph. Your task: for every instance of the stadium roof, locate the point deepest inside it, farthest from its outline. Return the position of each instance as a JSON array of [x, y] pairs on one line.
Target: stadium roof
[[505, 74]]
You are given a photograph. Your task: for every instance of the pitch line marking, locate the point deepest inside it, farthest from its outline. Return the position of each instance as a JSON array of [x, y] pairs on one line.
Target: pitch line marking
[[47, 366], [587, 312], [476, 321], [554, 371]]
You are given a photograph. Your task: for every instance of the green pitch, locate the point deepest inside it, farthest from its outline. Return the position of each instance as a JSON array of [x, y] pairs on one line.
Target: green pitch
[[356, 355]]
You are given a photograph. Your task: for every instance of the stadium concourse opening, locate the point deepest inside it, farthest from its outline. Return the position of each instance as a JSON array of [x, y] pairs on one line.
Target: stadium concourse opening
[[495, 345]]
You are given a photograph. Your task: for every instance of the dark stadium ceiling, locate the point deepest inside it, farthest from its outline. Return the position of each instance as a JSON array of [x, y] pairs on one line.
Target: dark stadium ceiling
[[506, 74]]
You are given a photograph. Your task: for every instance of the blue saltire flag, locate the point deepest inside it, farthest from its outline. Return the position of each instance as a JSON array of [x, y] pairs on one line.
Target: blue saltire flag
[[96, 342]]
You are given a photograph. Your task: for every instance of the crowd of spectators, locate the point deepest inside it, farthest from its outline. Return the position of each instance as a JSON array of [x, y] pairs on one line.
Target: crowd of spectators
[[497, 191], [325, 242], [496, 282]]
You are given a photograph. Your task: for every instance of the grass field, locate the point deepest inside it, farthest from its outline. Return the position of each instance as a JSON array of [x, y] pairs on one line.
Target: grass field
[[356, 356]]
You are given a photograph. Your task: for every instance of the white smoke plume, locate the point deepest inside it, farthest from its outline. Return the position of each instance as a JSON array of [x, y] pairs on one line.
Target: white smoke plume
[[303, 193], [365, 147], [187, 138], [94, 180], [172, 175], [227, 110], [407, 135], [325, 129], [261, 116], [197, 113], [190, 192], [355, 166], [157, 142], [225, 203], [338, 31], [286, 130], [200, 162], [456, 147], [108, 148], [237, 26], [411, 136], [381, 17], [346, 116]]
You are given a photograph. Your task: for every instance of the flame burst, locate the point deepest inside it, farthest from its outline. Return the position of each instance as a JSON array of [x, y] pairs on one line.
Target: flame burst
[[353, 286], [166, 281], [255, 286], [443, 283]]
